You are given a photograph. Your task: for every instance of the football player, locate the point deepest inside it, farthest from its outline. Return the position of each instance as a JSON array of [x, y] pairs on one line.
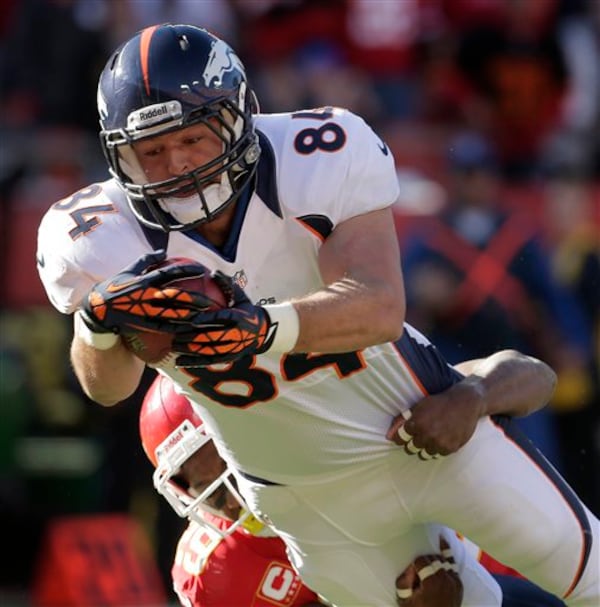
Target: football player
[[298, 379], [227, 557]]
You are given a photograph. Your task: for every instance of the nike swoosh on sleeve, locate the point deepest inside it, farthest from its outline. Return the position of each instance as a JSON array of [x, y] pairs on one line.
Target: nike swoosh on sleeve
[[40, 260], [383, 147]]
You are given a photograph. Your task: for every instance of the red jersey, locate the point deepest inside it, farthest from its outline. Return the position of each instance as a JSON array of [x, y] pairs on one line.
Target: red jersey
[[251, 570], [241, 569]]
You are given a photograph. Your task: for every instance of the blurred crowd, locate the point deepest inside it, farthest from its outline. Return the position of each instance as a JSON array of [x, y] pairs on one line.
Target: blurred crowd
[[492, 111]]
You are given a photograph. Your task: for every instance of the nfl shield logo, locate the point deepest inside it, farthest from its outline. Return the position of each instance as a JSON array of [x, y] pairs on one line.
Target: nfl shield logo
[[240, 279]]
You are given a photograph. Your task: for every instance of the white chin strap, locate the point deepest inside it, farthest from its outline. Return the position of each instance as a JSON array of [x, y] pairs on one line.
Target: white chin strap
[[190, 209]]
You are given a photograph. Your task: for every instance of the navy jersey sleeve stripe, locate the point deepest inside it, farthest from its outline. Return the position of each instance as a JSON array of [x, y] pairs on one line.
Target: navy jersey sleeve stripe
[[266, 184], [319, 224], [428, 366]]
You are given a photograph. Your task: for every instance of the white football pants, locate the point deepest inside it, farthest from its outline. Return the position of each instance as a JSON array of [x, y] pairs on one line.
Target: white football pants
[[350, 537]]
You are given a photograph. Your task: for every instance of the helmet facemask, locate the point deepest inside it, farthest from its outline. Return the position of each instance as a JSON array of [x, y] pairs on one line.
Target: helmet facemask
[[171, 454], [188, 200]]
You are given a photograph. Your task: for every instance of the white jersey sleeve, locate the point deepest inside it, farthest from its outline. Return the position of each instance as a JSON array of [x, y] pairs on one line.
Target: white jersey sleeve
[[330, 161], [84, 239]]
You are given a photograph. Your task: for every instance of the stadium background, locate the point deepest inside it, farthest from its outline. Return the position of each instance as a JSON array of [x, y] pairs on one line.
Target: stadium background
[[420, 72]]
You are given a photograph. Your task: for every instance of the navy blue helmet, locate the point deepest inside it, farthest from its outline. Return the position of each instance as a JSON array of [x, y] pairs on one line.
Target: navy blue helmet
[[165, 78]]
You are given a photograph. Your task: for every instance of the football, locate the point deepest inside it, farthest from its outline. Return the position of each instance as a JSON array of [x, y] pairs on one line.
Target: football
[[154, 347]]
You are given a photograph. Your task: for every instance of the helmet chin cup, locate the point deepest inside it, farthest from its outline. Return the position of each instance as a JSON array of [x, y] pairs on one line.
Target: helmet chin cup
[[135, 104], [198, 207]]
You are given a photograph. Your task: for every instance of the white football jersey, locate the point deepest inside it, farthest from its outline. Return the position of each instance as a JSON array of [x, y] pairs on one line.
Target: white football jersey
[[285, 418]]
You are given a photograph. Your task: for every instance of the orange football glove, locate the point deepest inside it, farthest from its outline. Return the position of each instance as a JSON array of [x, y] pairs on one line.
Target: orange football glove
[[242, 329], [134, 300]]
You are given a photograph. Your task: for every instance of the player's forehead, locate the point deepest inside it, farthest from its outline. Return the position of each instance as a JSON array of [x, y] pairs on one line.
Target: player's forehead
[[193, 131]]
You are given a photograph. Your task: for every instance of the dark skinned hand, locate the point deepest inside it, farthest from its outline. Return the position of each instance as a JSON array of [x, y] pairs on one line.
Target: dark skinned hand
[[431, 580], [439, 424]]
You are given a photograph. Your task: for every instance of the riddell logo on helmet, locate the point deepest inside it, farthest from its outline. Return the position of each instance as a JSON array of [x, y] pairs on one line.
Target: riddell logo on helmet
[[173, 439], [157, 111], [153, 114]]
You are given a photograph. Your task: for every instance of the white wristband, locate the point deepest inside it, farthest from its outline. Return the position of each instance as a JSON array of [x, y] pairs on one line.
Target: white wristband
[[100, 341], [285, 316]]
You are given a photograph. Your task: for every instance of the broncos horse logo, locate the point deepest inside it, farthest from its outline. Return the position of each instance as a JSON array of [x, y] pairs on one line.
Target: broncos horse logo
[[221, 60]]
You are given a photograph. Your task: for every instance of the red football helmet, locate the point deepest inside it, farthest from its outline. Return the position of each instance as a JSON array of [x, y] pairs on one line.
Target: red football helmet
[[172, 432]]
